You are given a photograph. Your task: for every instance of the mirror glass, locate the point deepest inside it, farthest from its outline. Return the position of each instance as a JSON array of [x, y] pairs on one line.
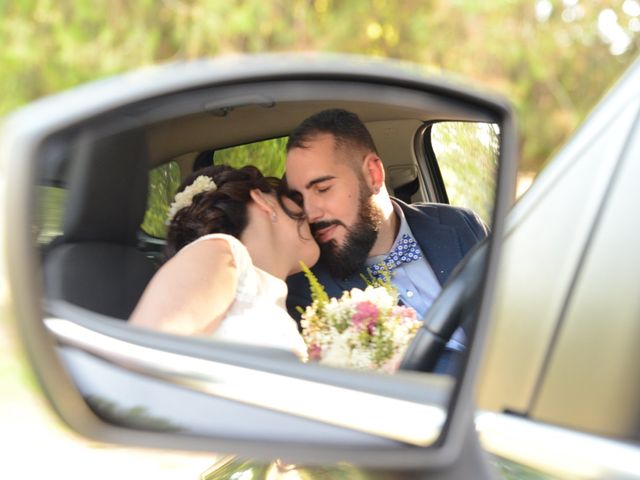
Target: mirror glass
[[105, 189]]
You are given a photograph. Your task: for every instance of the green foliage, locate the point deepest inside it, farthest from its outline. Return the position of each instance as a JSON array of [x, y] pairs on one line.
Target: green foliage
[[268, 156], [134, 417], [508, 470], [381, 281], [554, 67], [318, 293], [50, 201], [468, 158], [382, 344], [238, 468], [163, 183]]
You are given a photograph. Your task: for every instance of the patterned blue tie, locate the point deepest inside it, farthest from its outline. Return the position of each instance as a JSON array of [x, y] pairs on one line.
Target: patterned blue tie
[[406, 251]]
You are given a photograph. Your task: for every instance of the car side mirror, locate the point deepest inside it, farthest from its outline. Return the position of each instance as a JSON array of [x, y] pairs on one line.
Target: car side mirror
[[83, 157]]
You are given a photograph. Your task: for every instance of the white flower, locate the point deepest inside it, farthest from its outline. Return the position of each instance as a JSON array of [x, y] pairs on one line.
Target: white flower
[[338, 311], [357, 295], [185, 198], [361, 359], [379, 296], [338, 352]]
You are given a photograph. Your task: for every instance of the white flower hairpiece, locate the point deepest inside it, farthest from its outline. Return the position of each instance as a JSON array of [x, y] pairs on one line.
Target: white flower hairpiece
[[185, 197]]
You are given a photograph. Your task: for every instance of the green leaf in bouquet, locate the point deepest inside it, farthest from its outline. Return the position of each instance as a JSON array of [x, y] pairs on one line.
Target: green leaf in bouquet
[[318, 292], [382, 348], [385, 281]]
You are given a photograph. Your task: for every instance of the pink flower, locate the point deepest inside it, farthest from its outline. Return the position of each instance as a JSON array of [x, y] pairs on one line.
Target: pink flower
[[366, 316], [315, 351], [407, 314]]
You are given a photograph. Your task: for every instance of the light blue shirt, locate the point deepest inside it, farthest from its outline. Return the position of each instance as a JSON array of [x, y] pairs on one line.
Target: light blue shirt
[[417, 285]]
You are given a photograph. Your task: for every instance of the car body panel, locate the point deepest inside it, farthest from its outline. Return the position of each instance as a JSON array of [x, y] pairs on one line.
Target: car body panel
[[547, 451], [547, 232], [560, 376], [593, 368]]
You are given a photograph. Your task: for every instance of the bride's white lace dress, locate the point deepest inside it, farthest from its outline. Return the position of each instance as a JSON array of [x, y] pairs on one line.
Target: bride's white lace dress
[[258, 315]]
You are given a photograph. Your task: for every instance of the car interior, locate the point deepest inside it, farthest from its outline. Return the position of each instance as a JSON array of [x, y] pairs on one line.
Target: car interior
[[95, 253]]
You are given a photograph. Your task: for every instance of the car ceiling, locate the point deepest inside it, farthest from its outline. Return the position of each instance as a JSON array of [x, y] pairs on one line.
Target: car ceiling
[[391, 127]]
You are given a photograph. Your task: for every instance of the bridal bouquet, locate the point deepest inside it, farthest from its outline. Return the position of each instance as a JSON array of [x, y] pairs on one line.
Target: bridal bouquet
[[363, 329]]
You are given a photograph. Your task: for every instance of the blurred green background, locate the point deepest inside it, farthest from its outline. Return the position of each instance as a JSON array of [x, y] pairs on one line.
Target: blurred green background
[[553, 59]]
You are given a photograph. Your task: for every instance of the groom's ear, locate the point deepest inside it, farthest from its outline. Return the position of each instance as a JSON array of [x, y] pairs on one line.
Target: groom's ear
[[373, 172], [262, 200]]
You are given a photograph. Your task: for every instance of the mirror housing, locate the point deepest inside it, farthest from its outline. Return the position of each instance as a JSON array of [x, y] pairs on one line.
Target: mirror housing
[[40, 131]]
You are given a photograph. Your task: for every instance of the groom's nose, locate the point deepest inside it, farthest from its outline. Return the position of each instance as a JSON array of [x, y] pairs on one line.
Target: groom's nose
[[313, 211], [313, 214]]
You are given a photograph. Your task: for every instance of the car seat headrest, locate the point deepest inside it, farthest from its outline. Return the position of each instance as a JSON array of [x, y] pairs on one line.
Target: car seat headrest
[[403, 181], [107, 187]]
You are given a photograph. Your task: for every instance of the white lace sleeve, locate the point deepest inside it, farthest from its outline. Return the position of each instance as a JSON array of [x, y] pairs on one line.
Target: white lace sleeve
[[247, 283], [257, 315]]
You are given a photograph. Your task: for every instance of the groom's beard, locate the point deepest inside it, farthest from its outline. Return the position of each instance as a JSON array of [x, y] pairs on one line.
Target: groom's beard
[[343, 261]]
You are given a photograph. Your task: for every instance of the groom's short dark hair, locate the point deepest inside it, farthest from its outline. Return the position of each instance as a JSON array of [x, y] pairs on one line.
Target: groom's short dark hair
[[346, 127]]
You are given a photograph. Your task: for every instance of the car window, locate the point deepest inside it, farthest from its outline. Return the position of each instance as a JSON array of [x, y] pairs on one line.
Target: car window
[[467, 157], [163, 183], [267, 155], [50, 210]]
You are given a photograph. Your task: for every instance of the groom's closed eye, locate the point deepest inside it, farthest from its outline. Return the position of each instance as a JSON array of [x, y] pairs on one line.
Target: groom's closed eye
[[320, 182]]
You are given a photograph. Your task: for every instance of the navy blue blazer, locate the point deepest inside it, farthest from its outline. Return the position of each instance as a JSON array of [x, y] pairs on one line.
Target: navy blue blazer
[[445, 234]]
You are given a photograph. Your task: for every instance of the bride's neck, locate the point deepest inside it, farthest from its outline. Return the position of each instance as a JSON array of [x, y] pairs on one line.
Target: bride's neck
[[260, 243]]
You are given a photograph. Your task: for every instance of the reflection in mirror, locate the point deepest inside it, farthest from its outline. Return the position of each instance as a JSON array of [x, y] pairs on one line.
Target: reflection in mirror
[[111, 260]]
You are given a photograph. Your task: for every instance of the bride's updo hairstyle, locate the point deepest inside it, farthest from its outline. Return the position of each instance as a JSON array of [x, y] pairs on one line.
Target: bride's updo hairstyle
[[222, 209]]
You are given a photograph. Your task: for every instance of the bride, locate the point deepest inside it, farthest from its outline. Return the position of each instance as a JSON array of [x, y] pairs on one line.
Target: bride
[[234, 236]]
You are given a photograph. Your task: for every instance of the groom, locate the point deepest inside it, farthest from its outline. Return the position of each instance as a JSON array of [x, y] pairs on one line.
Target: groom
[[333, 164]]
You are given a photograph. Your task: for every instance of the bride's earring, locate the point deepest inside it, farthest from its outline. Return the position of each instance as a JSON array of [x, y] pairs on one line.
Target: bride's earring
[[274, 217]]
